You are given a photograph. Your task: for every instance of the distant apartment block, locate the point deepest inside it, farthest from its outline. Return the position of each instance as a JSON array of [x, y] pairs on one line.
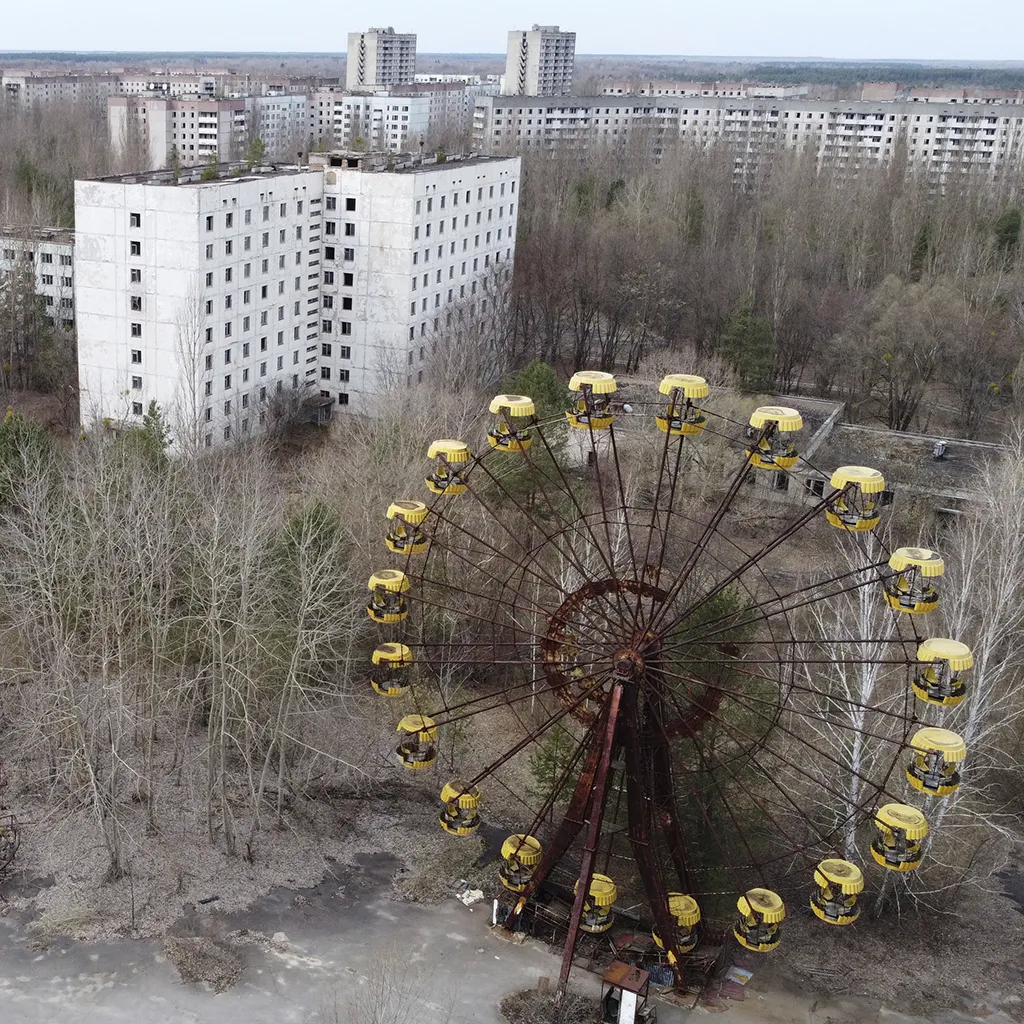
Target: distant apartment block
[[198, 130], [939, 139], [368, 120], [281, 122], [540, 62], [736, 90], [46, 256], [380, 57], [28, 89], [215, 297]]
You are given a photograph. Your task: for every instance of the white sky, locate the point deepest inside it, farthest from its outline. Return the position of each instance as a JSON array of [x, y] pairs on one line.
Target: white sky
[[917, 29]]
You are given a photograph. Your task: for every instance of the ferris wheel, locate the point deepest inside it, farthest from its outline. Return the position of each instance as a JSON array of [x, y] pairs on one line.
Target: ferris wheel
[[734, 718]]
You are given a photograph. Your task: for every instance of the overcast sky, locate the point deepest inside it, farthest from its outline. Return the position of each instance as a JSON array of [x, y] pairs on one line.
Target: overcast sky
[[920, 29]]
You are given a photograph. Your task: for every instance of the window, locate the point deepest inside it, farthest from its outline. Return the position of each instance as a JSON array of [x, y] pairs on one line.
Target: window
[[248, 216], [209, 334], [342, 398], [246, 321], [208, 388], [284, 210], [328, 277], [229, 220], [330, 203], [344, 352], [136, 302], [209, 362], [227, 301], [263, 369], [136, 383], [47, 278], [326, 327], [209, 223], [263, 344], [347, 280], [266, 213], [350, 254], [280, 287], [65, 261], [136, 276], [135, 248], [346, 302], [227, 433], [227, 407], [136, 330], [330, 227], [346, 327], [227, 382], [350, 205], [227, 274], [350, 229], [280, 362], [135, 220], [325, 373], [136, 355], [266, 239], [209, 252], [281, 235], [329, 252]]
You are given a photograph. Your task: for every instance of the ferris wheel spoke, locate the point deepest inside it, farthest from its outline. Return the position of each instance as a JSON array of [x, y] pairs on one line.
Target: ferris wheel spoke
[[583, 518], [749, 563], [776, 724], [751, 620], [699, 799], [746, 698], [528, 564]]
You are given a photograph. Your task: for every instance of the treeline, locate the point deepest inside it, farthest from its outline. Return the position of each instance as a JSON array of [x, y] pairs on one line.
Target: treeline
[[904, 300], [42, 151], [924, 75]]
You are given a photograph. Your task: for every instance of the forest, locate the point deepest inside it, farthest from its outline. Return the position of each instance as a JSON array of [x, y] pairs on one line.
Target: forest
[[185, 636]]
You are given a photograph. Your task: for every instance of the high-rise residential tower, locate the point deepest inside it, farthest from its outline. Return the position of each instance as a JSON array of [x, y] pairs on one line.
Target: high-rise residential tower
[[380, 57], [540, 62]]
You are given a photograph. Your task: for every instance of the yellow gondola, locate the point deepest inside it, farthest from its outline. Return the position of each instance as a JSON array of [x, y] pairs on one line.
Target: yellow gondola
[[774, 449], [592, 408], [681, 416]]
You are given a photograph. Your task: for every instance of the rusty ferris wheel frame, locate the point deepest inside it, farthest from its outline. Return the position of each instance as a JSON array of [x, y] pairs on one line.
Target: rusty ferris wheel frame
[[603, 601]]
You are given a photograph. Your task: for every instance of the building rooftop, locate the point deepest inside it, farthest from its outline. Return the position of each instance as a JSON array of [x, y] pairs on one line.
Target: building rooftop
[[403, 163], [25, 232], [205, 175]]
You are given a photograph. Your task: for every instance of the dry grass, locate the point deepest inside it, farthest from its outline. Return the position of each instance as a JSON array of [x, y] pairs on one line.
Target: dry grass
[[532, 1006]]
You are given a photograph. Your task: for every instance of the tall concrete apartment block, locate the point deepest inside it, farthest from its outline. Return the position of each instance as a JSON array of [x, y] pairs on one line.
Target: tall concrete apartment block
[[214, 297], [380, 57], [540, 62], [200, 130]]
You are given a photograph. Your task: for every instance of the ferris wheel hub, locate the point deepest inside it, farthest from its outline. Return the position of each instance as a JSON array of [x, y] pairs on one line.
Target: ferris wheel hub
[[628, 664]]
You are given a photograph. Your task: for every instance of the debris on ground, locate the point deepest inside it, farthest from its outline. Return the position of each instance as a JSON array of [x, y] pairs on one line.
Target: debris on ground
[[200, 959]]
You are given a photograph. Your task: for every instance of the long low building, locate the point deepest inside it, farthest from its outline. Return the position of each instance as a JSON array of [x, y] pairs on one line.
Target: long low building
[[213, 294], [45, 256], [940, 139]]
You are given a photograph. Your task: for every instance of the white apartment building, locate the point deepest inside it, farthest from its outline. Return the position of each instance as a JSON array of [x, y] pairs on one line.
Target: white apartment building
[[380, 57], [201, 296], [214, 297], [282, 122], [48, 253], [371, 121], [540, 62], [940, 140], [199, 130], [28, 88], [734, 90], [404, 252]]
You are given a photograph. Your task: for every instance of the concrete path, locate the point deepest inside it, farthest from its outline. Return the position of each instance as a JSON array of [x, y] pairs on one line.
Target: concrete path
[[344, 953]]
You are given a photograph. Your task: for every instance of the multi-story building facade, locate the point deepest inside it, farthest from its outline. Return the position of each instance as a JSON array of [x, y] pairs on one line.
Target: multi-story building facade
[[368, 120], [403, 251], [539, 62], [28, 89], [939, 140], [380, 57], [214, 297], [198, 130], [281, 122], [46, 256]]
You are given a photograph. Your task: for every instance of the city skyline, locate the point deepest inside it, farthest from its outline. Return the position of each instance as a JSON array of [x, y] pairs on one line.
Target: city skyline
[[790, 28]]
